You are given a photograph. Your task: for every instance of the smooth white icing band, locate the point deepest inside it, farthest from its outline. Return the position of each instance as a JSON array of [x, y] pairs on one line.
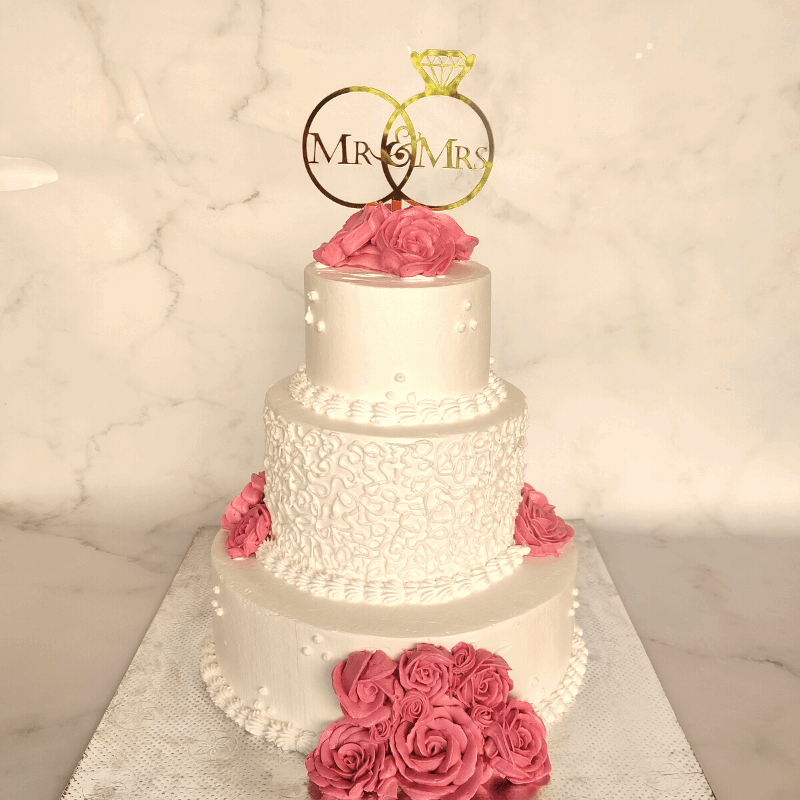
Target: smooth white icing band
[[372, 334]]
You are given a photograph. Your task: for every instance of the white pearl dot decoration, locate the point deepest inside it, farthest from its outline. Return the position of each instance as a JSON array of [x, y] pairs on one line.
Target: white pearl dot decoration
[[473, 323], [572, 612], [467, 305], [263, 691], [399, 377], [258, 704], [313, 296], [491, 359], [390, 395], [316, 638], [309, 317], [411, 397], [461, 327], [214, 604], [306, 651], [320, 326], [575, 592], [216, 590], [220, 612], [326, 656]]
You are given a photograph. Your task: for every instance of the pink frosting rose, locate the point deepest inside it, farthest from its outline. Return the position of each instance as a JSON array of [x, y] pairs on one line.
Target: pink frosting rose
[[408, 242], [365, 684], [381, 731], [347, 764], [247, 519], [515, 744], [463, 658], [428, 669], [482, 716], [487, 683], [440, 757], [538, 527], [356, 233], [418, 241], [412, 706]]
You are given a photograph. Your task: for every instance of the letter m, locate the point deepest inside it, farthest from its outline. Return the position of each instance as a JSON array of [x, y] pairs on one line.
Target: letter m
[[341, 143]]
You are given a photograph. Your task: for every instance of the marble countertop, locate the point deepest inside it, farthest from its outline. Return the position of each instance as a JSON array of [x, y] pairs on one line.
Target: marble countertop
[[717, 616]]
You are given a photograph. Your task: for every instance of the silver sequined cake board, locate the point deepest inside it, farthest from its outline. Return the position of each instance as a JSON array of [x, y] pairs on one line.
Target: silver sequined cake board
[[162, 737]]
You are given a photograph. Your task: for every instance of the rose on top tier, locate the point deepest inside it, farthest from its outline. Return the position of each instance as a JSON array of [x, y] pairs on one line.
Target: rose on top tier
[[408, 242], [357, 232], [538, 527], [246, 519]]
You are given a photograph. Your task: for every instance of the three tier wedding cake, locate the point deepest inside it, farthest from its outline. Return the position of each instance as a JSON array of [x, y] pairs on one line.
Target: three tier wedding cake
[[393, 518]]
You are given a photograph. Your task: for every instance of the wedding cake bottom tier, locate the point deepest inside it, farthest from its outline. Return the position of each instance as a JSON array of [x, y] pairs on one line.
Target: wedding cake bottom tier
[[271, 649]]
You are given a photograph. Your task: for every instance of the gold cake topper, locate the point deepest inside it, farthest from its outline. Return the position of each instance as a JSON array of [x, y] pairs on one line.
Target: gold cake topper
[[402, 147]]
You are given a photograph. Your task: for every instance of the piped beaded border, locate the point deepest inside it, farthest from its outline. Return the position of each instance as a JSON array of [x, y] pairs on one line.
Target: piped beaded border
[[289, 737], [282, 734], [393, 591], [409, 412], [552, 707]]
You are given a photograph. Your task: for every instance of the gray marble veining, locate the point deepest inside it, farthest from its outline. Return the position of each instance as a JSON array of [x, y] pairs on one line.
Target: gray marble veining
[[641, 226]]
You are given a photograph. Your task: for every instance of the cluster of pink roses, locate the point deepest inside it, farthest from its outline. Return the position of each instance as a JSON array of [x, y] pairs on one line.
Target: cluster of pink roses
[[436, 723], [538, 527], [247, 520], [410, 241]]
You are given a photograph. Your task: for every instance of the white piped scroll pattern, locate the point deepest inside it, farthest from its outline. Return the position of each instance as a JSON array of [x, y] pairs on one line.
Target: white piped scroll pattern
[[410, 412], [391, 511]]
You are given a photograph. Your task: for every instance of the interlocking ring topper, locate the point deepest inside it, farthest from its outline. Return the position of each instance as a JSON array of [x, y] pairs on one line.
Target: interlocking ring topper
[[442, 71]]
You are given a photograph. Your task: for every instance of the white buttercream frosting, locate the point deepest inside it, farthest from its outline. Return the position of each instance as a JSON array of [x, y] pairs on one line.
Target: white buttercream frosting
[[289, 737], [376, 327], [409, 412], [277, 645]]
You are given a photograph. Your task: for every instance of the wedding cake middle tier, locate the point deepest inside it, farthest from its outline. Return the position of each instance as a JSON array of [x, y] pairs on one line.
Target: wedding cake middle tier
[[421, 513]]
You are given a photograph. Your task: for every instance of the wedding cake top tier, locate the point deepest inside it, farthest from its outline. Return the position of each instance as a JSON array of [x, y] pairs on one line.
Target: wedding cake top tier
[[377, 337]]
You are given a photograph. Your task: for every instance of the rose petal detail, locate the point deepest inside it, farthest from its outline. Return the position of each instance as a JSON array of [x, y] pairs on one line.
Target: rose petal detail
[[537, 525], [247, 519]]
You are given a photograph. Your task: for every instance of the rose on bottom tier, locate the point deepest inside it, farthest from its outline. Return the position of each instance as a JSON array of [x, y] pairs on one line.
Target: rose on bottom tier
[[436, 724]]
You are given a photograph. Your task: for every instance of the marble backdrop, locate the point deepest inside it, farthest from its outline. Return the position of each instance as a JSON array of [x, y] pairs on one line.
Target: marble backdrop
[[641, 224]]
